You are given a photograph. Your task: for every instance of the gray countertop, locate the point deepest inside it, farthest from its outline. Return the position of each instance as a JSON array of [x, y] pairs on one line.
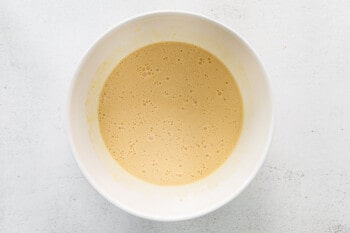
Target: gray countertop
[[304, 186]]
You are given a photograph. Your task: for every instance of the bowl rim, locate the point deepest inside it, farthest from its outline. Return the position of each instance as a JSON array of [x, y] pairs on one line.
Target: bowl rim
[[203, 211]]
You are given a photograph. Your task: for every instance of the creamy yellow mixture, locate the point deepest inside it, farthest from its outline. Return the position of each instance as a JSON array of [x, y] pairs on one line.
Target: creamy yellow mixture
[[170, 113]]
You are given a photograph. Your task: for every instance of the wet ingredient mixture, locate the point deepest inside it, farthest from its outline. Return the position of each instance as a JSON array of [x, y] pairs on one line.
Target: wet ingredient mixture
[[170, 113]]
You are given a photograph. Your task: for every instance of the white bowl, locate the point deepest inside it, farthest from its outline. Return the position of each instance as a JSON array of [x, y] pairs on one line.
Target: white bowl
[[161, 202]]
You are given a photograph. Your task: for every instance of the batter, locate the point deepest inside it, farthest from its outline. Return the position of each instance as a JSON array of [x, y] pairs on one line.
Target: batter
[[170, 113]]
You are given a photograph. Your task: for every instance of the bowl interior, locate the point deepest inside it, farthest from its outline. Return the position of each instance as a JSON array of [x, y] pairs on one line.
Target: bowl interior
[[161, 202]]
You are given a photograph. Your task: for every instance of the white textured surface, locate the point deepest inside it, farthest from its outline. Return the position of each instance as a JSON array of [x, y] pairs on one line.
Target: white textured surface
[[304, 185]]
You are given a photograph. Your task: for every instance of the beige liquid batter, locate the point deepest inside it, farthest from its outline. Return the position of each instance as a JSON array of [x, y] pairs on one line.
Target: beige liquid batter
[[170, 113]]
